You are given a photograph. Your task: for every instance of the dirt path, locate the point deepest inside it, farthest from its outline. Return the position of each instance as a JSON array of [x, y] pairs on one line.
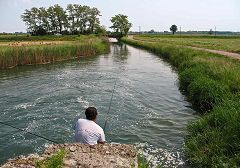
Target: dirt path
[[225, 53]]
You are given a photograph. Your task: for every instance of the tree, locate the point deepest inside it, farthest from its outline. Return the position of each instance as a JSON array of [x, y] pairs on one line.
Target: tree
[[173, 29], [57, 18], [84, 19], [121, 25], [71, 18], [82, 16], [151, 31], [101, 30], [60, 18], [43, 24], [93, 19], [36, 20], [52, 20], [210, 32], [27, 18], [75, 19], [40, 31], [30, 18]]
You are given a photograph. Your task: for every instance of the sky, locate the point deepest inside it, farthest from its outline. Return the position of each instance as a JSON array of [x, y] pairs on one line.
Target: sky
[[147, 14]]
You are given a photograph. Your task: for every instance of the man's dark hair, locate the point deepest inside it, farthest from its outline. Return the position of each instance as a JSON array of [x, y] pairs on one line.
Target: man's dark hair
[[91, 113]]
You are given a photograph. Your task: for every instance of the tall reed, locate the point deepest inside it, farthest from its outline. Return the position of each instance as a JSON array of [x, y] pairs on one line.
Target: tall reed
[[11, 56]]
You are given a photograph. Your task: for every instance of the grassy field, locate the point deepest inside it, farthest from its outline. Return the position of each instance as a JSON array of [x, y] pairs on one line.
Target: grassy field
[[225, 43], [212, 84], [25, 50]]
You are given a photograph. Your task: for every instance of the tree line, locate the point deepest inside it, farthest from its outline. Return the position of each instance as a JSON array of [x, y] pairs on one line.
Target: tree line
[[75, 19]]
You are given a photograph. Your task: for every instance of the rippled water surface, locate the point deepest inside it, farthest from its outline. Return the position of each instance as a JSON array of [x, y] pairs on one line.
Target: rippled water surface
[[147, 108]]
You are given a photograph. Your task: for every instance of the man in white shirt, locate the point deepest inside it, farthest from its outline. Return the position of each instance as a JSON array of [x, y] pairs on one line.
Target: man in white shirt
[[87, 131]]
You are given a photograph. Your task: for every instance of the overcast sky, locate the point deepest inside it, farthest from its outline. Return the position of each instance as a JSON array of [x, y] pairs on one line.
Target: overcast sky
[[149, 14]]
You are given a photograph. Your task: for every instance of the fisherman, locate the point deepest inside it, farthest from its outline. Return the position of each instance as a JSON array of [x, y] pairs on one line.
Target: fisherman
[[87, 131]]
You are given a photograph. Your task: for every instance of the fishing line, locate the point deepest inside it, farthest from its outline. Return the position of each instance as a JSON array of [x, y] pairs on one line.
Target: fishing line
[[6, 124], [110, 104]]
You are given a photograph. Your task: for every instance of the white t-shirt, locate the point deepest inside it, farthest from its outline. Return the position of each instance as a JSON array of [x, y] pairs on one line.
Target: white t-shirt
[[88, 132]]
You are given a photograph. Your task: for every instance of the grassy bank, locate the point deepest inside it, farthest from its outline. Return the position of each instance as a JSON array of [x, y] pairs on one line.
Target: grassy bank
[[15, 53], [212, 84], [225, 43]]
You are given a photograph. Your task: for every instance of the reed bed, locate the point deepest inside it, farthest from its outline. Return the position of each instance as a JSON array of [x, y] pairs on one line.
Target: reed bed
[[7, 38], [212, 84], [12, 56]]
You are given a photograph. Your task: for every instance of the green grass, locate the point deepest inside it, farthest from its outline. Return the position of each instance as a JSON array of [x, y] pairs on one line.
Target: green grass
[[212, 84], [55, 161], [214, 139], [226, 43], [143, 163], [11, 56]]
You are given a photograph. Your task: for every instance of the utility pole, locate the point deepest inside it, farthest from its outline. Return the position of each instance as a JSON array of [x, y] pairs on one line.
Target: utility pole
[[180, 31], [139, 29], [215, 30]]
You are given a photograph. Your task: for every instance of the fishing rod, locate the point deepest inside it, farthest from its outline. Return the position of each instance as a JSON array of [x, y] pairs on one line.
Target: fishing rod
[[6, 124], [110, 104]]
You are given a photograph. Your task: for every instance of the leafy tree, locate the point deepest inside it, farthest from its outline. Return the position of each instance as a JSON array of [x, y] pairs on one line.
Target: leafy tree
[[27, 18], [82, 13], [52, 20], [210, 32], [75, 19], [60, 18], [43, 23], [93, 19], [101, 30], [40, 31], [71, 18], [36, 20], [151, 31], [173, 29], [84, 18], [121, 25], [30, 18]]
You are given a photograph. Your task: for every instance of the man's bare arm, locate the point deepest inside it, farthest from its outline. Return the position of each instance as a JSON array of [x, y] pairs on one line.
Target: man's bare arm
[[101, 142]]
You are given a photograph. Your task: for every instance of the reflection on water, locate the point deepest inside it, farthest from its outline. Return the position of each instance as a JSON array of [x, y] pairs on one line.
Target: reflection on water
[[147, 109]]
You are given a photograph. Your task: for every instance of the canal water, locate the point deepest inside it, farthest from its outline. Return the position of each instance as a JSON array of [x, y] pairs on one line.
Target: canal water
[[147, 107]]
